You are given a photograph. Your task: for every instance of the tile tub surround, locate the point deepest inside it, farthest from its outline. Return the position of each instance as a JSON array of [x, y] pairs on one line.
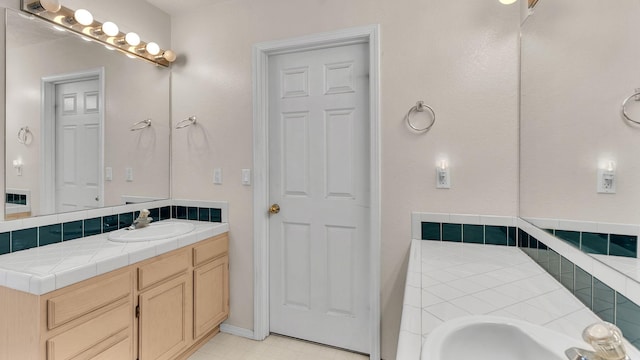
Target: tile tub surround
[[44, 269], [595, 293], [446, 280], [24, 234]]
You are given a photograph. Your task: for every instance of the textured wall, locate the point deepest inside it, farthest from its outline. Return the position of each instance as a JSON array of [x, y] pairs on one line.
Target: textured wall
[[575, 75], [461, 57]]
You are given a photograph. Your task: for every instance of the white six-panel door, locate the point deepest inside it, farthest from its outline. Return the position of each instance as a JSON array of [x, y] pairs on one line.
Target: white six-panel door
[[319, 176], [77, 145]]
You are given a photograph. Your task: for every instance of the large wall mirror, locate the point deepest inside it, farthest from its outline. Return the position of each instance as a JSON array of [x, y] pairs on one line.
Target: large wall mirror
[[70, 108], [580, 164]]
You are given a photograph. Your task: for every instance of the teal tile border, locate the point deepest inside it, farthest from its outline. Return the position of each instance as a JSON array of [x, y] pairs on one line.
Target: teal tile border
[[28, 238], [469, 233]]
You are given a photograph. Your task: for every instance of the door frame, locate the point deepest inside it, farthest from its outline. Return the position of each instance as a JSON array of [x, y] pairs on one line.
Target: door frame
[[48, 129], [261, 54]]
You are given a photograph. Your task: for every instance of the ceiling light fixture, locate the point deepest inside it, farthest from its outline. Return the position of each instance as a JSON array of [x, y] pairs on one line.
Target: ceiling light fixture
[[507, 2], [82, 23]]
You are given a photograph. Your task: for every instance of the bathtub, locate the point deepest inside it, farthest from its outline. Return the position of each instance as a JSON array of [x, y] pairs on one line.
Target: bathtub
[[496, 338]]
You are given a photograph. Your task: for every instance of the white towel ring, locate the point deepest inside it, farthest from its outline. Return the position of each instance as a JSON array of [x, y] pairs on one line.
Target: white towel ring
[[624, 106], [421, 107]]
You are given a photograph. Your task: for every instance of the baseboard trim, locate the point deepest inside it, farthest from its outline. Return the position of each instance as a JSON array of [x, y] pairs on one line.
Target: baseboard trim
[[238, 331]]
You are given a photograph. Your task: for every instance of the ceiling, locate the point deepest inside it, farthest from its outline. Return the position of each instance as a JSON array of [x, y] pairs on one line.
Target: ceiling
[[172, 7]]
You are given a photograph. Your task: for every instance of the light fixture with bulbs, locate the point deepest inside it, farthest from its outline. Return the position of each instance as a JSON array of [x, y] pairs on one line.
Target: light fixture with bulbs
[[82, 23]]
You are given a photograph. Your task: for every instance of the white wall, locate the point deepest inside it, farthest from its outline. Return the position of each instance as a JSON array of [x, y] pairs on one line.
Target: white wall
[[579, 62], [461, 57]]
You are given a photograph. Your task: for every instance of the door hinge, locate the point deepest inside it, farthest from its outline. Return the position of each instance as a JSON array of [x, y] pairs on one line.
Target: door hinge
[[137, 312]]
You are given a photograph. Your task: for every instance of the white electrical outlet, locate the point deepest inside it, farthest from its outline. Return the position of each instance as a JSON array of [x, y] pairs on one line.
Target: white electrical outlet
[[217, 176], [108, 173], [606, 181], [443, 178], [128, 174]]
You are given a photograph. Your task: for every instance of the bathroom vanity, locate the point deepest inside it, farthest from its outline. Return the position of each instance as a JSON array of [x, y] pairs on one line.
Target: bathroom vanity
[[165, 303]]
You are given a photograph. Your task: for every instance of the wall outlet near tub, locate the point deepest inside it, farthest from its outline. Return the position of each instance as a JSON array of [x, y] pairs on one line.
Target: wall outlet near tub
[[606, 181]]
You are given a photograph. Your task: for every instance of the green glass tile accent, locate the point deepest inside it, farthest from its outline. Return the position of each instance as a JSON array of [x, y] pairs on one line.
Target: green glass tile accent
[[180, 212], [155, 214], [594, 243], [554, 264], [72, 230], [203, 214], [431, 231], [216, 215], [603, 300], [495, 235], [628, 318], [572, 237], [5, 243], [567, 273], [583, 287], [533, 248], [49, 234], [452, 232], [192, 213], [165, 213], [126, 219], [24, 239], [543, 257], [623, 245], [523, 239], [512, 236], [473, 234], [93, 226], [109, 223]]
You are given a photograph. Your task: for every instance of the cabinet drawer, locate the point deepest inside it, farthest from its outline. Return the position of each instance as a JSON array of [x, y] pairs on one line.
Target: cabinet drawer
[[162, 269], [210, 249], [95, 336], [71, 305]]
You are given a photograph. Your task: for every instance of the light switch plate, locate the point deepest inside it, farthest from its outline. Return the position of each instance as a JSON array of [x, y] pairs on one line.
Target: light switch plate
[[108, 173], [217, 176], [246, 177], [128, 173]]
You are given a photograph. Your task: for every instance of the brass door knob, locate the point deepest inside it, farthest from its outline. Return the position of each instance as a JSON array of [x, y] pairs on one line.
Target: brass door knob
[[274, 209]]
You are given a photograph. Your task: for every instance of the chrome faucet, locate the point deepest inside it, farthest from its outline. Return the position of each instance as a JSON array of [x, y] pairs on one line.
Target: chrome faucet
[[605, 338], [143, 220]]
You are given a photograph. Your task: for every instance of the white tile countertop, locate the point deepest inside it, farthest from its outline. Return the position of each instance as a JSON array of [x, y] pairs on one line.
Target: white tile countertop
[[44, 269], [448, 280]]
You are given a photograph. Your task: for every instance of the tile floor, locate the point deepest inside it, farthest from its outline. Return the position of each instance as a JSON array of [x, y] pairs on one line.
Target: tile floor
[[275, 347]]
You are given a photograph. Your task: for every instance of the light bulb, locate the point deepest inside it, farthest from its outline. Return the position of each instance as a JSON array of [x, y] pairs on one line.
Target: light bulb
[[51, 5], [110, 29], [153, 48], [83, 17], [169, 55], [132, 39], [507, 2]]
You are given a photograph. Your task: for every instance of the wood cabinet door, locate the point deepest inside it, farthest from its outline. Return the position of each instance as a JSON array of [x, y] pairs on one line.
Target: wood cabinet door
[[210, 296], [165, 319]]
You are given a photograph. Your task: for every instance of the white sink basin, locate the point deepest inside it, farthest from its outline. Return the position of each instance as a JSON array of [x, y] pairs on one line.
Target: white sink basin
[[155, 231], [496, 338]]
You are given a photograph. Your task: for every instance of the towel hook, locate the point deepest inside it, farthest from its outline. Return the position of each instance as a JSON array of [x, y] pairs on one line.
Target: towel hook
[[141, 125], [191, 120], [25, 136], [421, 107]]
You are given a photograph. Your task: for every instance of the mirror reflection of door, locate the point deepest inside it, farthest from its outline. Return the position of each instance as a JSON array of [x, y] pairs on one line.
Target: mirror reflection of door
[[77, 138], [72, 142]]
